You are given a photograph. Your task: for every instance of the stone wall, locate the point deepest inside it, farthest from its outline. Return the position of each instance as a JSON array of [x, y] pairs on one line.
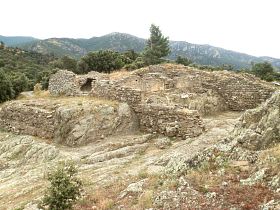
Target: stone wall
[[240, 91], [108, 90], [63, 83], [69, 84], [28, 118], [237, 91], [171, 121], [159, 89], [73, 122]]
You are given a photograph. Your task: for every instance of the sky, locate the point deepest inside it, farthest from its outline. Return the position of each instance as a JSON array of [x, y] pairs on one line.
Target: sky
[[248, 26]]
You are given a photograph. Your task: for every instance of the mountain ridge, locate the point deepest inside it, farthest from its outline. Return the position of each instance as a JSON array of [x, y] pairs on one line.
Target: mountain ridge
[[203, 54]]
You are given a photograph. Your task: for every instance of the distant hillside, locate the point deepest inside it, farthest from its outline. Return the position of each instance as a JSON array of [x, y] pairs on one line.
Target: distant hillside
[[209, 55], [16, 40], [35, 66], [201, 54]]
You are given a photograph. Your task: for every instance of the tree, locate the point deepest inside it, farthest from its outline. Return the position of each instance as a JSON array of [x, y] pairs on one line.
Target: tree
[[183, 60], [65, 62], [6, 87], [157, 46], [65, 188], [19, 82], [101, 61], [263, 70], [2, 45]]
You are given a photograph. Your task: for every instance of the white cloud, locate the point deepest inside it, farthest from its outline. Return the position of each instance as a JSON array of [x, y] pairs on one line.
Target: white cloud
[[249, 26]]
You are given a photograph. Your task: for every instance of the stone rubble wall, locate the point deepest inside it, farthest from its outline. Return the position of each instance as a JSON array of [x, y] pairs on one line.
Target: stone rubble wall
[[63, 83], [106, 89], [73, 123], [171, 121], [240, 91], [69, 84], [167, 86], [27, 118]]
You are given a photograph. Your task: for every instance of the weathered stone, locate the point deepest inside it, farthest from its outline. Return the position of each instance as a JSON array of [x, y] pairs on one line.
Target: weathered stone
[[169, 87], [133, 188], [162, 143], [68, 122], [260, 128], [169, 120]]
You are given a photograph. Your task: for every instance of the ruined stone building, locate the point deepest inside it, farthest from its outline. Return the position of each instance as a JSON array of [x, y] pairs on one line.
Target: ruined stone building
[[169, 99]]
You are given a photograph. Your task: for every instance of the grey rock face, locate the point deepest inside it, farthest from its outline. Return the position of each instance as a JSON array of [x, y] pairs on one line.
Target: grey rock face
[[260, 128]]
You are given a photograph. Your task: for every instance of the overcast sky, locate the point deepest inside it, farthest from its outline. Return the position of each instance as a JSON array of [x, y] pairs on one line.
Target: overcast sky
[[249, 26]]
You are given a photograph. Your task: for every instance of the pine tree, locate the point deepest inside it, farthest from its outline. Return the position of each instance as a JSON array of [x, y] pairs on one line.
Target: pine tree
[[157, 46]]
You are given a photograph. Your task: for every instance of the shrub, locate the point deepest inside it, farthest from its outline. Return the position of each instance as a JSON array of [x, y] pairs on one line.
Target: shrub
[[183, 60], [137, 64], [65, 188], [263, 70], [6, 87], [101, 61]]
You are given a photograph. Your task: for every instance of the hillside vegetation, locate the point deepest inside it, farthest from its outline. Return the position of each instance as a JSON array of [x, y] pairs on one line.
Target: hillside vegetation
[[20, 70], [200, 54]]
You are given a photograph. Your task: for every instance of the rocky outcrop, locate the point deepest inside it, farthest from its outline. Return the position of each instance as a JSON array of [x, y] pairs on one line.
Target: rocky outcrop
[[73, 121], [79, 125], [260, 128]]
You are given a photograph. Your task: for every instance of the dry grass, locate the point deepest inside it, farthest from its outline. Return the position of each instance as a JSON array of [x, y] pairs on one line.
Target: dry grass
[[119, 74], [103, 198], [44, 96], [146, 200], [34, 95], [231, 194], [202, 181]]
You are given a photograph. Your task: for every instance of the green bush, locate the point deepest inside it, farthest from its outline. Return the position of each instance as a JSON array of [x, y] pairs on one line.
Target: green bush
[[101, 61], [137, 64], [183, 60], [263, 70], [65, 188], [6, 87]]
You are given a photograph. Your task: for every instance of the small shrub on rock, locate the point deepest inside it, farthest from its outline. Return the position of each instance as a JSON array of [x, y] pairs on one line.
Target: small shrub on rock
[[65, 188]]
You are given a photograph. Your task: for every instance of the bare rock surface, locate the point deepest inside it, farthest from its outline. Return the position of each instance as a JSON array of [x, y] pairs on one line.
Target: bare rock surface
[[26, 159], [260, 128]]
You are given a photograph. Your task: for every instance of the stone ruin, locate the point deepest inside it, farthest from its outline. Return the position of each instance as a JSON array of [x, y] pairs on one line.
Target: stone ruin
[[169, 99]]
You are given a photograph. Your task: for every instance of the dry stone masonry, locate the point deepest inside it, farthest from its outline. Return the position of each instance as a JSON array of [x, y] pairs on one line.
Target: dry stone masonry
[[28, 118], [170, 120], [155, 93], [70, 122]]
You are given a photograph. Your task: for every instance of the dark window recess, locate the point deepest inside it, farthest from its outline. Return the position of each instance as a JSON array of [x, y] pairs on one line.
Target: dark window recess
[[87, 86]]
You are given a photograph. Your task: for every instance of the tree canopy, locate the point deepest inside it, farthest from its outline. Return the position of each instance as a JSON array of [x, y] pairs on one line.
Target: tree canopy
[[263, 70], [157, 46], [6, 88]]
